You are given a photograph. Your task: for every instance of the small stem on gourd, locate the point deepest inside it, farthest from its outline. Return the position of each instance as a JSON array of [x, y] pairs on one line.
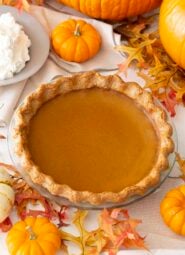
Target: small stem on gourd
[[31, 233], [77, 30]]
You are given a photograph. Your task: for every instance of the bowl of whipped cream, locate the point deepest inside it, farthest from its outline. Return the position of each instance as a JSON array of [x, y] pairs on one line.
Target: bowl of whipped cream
[[24, 45]]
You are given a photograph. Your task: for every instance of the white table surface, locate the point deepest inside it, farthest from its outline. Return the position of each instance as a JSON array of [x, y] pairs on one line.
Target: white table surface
[[159, 238]]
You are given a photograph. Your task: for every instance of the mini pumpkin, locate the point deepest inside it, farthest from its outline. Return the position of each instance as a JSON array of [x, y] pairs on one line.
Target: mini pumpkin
[[112, 9], [172, 32], [36, 236], [7, 195], [75, 40], [173, 210]]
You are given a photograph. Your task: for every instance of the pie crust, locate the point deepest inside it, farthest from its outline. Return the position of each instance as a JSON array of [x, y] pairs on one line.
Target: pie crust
[[87, 80]]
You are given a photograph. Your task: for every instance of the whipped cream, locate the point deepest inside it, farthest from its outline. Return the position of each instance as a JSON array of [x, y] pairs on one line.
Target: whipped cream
[[14, 47]]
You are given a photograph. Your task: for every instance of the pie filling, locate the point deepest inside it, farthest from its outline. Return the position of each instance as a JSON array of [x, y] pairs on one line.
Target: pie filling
[[93, 139]]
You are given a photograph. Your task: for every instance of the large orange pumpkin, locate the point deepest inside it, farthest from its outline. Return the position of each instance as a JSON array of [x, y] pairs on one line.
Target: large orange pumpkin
[[172, 29], [173, 210], [112, 9]]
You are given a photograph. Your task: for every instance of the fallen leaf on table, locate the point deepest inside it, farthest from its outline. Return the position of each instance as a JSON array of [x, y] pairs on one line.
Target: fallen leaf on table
[[144, 50], [120, 230], [26, 196], [133, 54], [6, 225], [181, 163], [116, 231], [170, 102], [30, 196]]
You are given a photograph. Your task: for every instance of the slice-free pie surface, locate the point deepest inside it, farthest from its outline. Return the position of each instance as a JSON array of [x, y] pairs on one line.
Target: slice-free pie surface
[[94, 139]]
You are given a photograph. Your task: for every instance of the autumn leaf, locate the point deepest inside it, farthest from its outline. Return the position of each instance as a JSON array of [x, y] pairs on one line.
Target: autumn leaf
[[25, 195], [120, 230], [116, 231], [170, 102], [181, 163], [6, 225], [134, 54], [144, 50]]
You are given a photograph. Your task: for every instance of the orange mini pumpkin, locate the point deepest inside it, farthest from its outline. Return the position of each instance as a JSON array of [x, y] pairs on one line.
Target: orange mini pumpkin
[[36, 236], [76, 40], [172, 32], [173, 210], [112, 9]]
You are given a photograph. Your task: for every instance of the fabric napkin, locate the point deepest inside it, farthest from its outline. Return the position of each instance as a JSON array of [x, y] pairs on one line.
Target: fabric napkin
[[9, 96], [108, 58]]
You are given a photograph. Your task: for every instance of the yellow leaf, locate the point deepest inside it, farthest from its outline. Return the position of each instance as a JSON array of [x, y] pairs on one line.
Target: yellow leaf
[[116, 230], [145, 51]]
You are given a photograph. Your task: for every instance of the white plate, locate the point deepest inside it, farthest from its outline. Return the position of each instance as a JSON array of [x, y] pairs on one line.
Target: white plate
[[40, 44]]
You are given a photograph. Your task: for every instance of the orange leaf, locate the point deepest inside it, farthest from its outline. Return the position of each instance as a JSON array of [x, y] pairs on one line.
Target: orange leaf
[[6, 225], [120, 230], [170, 102]]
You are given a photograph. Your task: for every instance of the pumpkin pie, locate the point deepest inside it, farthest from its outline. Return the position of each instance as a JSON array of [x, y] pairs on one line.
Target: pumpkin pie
[[92, 138]]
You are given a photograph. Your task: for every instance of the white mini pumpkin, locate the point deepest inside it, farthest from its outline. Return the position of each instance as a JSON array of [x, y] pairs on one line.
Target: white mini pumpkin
[[7, 195]]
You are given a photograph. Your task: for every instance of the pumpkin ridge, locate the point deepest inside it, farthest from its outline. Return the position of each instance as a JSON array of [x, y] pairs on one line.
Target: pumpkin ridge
[[64, 29], [87, 46], [149, 5], [88, 6], [126, 7], [180, 200], [68, 25], [75, 46], [168, 223], [40, 247], [171, 220], [14, 249], [112, 9], [65, 41], [170, 203], [49, 241], [136, 7], [181, 61], [91, 49], [96, 9], [129, 6], [101, 9]]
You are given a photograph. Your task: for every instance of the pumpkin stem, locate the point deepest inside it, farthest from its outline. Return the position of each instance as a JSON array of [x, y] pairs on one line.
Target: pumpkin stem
[[77, 30], [32, 234]]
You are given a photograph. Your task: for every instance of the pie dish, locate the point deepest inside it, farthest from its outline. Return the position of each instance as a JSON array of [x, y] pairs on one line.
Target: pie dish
[[92, 138]]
